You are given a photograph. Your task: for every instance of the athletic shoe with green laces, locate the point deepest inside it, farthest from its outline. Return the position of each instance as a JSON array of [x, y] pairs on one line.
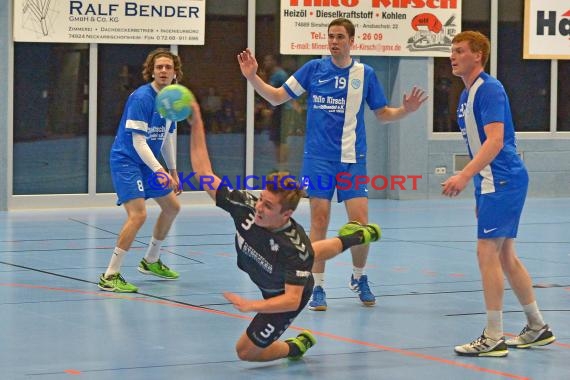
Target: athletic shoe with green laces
[[157, 269], [116, 283], [303, 341], [370, 232]]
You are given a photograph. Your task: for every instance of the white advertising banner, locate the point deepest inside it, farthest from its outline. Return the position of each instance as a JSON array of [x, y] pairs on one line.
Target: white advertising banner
[[422, 28], [546, 29], [177, 22]]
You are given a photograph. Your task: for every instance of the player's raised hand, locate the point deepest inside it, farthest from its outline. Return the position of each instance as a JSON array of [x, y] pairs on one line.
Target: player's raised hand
[[413, 101], [247, 63]]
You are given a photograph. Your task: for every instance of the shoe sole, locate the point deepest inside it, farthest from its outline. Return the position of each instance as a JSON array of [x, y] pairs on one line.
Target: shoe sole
[[543, 342], [116, 290], [150, 273], [491, 354], [318, 308]]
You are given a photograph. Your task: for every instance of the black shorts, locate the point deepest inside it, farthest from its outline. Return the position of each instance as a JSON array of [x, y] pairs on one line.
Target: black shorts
[[267, 328]]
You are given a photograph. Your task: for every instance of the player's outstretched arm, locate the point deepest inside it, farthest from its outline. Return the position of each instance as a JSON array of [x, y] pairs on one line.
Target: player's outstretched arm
[[410, 104], [200, 158], [248, 66]]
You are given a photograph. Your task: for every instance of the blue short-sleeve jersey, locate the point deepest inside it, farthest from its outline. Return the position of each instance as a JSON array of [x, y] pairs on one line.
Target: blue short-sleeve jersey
[[335, 107], [484, 103], [140, 116]]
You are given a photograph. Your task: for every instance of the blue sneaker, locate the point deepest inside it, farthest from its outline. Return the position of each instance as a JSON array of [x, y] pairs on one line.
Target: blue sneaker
[[361, 287], [319, 300]]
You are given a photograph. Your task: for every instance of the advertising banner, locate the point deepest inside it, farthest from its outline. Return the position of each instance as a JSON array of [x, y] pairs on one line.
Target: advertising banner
[[422, 28], [175, 22], [546, 29]]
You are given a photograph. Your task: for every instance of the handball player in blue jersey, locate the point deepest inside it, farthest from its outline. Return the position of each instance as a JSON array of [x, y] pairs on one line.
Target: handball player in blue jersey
[[338, 89], [137, 175], [274, 250], [501, 183]]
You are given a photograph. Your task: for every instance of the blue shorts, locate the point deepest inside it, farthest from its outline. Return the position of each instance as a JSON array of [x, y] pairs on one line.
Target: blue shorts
[[321, 178], [499, 213], [133, 181]]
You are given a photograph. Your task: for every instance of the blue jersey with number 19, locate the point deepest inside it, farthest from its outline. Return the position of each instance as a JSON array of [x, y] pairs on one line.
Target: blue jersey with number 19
[[335, 107]]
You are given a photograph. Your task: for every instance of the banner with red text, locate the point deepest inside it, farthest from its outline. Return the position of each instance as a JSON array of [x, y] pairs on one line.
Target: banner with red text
[[422, 28], [174, 22], [546, 29]]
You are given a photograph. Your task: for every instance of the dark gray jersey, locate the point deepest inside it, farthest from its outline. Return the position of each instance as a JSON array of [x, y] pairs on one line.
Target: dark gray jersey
[[270, 258]]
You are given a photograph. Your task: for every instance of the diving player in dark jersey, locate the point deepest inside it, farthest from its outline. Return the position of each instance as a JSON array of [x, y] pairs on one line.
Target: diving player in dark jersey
[[274, 250]]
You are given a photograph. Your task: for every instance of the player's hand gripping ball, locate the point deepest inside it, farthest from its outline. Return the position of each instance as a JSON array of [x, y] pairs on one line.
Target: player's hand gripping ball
[[173, 102]]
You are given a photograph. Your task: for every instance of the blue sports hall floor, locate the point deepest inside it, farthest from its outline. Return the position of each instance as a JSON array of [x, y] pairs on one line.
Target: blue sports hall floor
[[56, 323]]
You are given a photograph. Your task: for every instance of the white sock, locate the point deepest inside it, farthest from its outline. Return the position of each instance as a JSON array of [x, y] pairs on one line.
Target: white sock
[[533, 316], [319, 279], [153, 252], [494, 328], [116, 261], [357, 272]]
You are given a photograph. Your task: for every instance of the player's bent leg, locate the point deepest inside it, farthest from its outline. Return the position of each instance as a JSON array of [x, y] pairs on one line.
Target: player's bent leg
[[136, 216], [170, 207], [352, 232], [320, 216], [246, 350]]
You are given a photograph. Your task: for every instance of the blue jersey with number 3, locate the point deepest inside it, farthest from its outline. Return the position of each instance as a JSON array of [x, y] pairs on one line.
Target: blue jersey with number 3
[[335, 107]]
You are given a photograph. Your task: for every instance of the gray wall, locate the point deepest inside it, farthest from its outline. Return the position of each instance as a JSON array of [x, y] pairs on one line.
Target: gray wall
[[400, 148]]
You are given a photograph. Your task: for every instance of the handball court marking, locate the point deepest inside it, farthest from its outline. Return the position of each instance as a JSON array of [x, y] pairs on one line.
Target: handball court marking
[[176, 304], [151, 299]]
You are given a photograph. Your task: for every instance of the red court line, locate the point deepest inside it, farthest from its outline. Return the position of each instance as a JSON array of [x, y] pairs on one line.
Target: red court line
[[404, 352], [421, 356]]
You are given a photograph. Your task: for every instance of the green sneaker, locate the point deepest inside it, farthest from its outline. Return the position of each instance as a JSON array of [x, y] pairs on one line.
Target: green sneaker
[[116, 283], [370, 232], [303, 341], [157, 269]]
